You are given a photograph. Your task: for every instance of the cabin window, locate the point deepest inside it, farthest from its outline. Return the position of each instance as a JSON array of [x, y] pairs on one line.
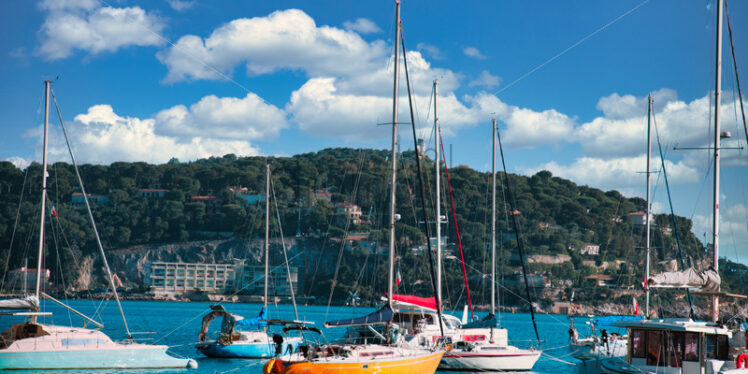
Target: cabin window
[[637, 341], [716, 347], [691, 352], [674, 349], [654, 348]]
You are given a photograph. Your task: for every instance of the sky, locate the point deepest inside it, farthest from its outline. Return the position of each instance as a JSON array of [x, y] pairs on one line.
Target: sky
[[567, 82]]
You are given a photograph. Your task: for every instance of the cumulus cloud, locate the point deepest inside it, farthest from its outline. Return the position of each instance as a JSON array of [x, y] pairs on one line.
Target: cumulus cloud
[[181, 5], [362, 26], [248, 118], [733, 230], [486, 80], [87, 26], [102, 136], [19, 162], [474, 53], [287, 39], [213, 126], [615, 173]]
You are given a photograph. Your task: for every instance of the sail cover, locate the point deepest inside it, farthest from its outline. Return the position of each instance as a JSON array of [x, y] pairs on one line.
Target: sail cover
[[28, 302], [610, 320], [707, 280], [256, 323], [380, 316], [487, 322], [428, 303]]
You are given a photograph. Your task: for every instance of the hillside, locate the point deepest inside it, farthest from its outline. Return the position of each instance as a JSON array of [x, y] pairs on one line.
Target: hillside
[[138, 205]]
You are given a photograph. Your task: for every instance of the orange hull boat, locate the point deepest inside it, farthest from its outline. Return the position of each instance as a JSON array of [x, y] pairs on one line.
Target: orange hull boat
[[425, 363]]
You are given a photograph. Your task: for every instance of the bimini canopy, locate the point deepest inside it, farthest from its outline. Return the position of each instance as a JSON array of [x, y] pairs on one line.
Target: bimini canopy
[[487, 322], [707, 280], [383, 315], [410, 302], [28, 302]]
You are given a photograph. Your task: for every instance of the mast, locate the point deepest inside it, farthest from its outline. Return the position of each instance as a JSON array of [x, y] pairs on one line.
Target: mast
[[493, 218], [715, 207], [649, 150], [393, 188], [267, 230], [44, 195], [438, 199]]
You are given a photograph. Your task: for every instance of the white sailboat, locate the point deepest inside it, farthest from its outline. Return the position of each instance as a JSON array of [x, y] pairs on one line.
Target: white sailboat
[[38, 346], [685, 346]]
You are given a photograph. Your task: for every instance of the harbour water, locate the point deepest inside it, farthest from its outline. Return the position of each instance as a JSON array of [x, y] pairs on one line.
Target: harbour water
[[177, 324]]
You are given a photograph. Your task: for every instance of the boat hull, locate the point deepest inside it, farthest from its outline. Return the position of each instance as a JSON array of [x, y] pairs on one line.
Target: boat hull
[[135, 357], [421, 364], [482, 361], [257, 350]]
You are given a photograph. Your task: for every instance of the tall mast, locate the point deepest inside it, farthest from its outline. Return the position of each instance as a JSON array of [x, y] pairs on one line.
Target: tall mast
[[438, 199], [44, 194], [649, 150], [715, 208], [267, 230], [493, 218], [393, 188]]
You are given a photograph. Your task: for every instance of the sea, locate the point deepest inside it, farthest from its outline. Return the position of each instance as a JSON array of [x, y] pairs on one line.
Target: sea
[[177, 325]]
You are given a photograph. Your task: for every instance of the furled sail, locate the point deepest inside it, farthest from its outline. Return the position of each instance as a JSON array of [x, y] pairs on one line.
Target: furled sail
[[707, 280], [28, 302], [380, 316]]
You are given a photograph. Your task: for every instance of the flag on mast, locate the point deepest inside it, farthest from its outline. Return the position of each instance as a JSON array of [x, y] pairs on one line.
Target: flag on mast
[[398, 278], [53, 210]]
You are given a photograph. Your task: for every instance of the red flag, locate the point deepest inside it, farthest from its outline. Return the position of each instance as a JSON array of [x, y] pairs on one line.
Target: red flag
[[636, 307], [398, 278], [53, 210]]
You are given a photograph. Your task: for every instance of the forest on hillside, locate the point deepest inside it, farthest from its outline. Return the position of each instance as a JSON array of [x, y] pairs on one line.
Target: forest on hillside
[[198, 199]]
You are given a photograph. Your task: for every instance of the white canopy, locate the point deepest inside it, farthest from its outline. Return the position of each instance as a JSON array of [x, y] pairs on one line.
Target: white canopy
[[28, 302], [707, 280]]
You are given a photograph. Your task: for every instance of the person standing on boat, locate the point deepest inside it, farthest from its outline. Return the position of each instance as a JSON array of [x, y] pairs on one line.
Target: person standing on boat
[[604, 339]]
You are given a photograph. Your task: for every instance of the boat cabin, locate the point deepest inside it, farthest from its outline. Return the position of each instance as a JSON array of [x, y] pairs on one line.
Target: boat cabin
[[677, 346]]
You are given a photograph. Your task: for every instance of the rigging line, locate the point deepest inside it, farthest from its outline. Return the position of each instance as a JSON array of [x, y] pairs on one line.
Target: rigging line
[[423, 189], [285, 254], [580, 41], [354, 193], [163, 38], [672, 212], [735, 67], [457, 229], [90, 214], [15, 226], [512, 206]]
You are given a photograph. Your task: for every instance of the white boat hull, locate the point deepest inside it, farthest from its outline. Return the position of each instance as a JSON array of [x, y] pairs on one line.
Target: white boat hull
[[519, 360]]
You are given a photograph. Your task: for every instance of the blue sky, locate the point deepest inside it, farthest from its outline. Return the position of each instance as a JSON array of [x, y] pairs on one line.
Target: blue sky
[[151, 80]]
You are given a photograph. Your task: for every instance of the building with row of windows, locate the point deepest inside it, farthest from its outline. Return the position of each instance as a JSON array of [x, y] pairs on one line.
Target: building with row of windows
[[171, 278]]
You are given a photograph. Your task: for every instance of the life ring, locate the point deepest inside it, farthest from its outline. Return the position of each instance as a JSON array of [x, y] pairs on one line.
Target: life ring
[[742, 361]]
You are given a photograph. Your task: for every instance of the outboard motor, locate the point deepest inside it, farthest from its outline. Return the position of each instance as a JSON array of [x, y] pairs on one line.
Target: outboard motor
[[278, 340]]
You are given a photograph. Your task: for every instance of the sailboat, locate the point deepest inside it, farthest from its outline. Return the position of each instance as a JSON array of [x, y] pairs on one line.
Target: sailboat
[[672, 345], [483, 345], [393, 356], [33, 345], [235, 342]]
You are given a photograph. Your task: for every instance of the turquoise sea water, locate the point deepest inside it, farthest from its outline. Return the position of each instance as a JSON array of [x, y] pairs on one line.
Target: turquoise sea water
[[177, 324]]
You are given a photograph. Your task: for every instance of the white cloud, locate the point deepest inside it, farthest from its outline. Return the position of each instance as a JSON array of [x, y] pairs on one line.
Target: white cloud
[[362, 26], [247, 118], [615, 173], [474, 53], [431, 50], [486, 80], [733, 230], [287, 39], [181, 5], [19, 162], [85, 25], [213, 126]]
